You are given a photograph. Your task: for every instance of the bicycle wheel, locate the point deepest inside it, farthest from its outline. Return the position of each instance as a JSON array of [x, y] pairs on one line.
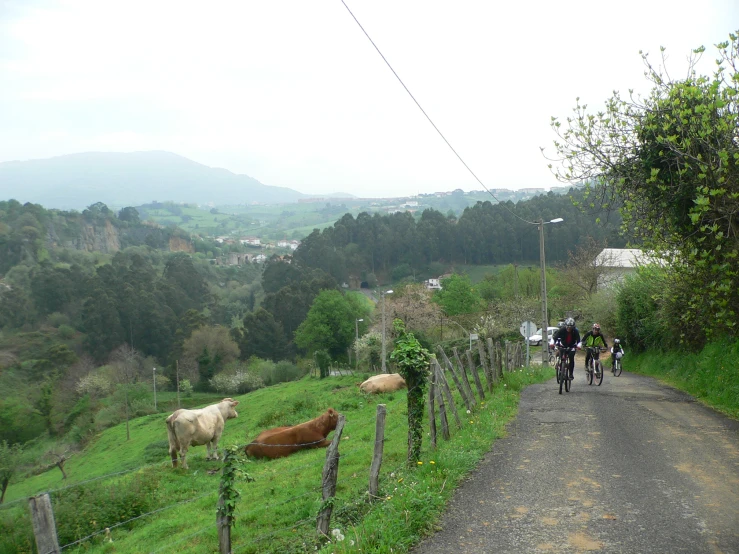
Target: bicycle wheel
[[561, 379], [568, 383], [589, 371], [617, 368], [558, 371], [599, 372]]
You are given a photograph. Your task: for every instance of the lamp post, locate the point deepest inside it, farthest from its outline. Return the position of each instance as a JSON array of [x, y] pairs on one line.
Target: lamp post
[[154, 371], [544, 316], [356, 343], [384, 352]]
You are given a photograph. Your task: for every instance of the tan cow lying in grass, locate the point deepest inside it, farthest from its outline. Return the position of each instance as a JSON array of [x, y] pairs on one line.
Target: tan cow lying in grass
[[283, 441], [196, 427], [385, 382]]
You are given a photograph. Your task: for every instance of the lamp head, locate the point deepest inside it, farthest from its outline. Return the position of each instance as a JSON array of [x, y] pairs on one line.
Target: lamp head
[[557, 220]]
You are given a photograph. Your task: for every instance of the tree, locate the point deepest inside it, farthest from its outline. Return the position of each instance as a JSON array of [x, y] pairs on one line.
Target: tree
[[10, 459], [129, 214], [457, 296], [586, 267], [127, 362], [261, 336], [672, 158], [330, 324], [412, 360], [212, 347]]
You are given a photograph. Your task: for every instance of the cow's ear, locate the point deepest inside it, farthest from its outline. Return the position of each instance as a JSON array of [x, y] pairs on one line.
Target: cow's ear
[[234, 402]]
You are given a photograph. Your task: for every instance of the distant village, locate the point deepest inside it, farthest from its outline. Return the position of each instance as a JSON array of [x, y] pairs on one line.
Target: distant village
[[411, 204]]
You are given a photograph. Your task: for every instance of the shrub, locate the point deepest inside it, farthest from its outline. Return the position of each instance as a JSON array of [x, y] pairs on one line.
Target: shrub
[[186, 387], [80, 511], [282, 372], [94, 384], [16, 531], [66, 332], [57, 319], [239, 382]]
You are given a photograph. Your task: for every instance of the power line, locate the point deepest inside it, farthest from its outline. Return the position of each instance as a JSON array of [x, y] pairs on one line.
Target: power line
[[430, 120]]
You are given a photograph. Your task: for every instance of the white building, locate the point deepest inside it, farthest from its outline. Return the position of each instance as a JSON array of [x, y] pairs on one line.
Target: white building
[[619, 262], [433, 284]]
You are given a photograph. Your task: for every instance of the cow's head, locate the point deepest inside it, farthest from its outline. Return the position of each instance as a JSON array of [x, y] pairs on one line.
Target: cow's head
[[230, 405], [333, 418]]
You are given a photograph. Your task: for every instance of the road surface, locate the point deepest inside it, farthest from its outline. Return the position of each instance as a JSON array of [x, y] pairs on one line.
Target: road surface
[[631, 466]]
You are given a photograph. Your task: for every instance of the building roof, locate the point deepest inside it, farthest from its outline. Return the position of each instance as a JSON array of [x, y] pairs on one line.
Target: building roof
[[624, 258]]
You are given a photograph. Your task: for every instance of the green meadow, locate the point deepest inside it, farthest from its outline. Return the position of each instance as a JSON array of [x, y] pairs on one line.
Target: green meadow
[[130, 488]]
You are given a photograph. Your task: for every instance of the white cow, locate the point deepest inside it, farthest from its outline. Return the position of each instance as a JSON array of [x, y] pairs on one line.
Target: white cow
[[384, 382], [195, 427]]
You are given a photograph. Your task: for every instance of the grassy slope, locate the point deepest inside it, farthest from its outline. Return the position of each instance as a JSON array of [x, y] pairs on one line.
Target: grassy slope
[[710, 375], [285, 491]]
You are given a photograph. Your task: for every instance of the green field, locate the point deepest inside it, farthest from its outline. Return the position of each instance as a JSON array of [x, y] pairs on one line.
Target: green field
[[173, 510]]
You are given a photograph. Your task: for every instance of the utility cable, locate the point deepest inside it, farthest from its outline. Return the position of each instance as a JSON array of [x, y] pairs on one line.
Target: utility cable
[[431, 121]]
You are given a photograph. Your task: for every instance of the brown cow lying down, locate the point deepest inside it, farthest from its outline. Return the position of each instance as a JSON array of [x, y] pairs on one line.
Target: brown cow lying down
[[195, 427], [385, 382], [283, 441]]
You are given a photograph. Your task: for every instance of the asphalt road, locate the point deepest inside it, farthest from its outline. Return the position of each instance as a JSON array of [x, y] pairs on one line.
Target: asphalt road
[[631, 466]]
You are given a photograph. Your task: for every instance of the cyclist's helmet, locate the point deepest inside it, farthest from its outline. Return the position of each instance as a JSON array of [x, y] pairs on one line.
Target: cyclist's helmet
[[569, 322], [596, 327], [561, 324], [616, 341]]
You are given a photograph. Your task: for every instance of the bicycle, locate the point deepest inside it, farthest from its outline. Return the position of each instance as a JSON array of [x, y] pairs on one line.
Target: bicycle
[[563, 378], [595, 371], [616, 367]]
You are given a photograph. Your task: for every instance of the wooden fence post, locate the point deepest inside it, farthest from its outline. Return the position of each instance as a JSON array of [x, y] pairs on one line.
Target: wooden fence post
[[442, 408], [457, 382], [493, 363], [447, 393], [475, 375], [466, 381], [379, 447], [484, 363], [44, 527], [432, 411], [330, 474]]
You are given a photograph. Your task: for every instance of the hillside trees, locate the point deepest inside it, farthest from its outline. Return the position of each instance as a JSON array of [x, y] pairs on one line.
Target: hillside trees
[[673, 158], [485, 233], [329, 325], [261, 336]]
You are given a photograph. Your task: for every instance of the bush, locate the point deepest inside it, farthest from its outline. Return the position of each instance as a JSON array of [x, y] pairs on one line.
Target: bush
[[240, 382], [186, 387], [66, 332], [283, 372], [16, 531], [80, 511], [57, 319]]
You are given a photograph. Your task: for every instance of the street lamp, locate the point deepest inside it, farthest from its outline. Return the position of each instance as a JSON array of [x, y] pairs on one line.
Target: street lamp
[[384, 353], [356, 343], [544, 315], [154, 371]]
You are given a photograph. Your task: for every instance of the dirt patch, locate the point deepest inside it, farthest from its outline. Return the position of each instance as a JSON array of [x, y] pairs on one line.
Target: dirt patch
[[583, 543]]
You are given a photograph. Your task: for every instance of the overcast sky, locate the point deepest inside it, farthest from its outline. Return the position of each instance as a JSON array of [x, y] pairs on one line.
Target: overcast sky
[[293, 94]]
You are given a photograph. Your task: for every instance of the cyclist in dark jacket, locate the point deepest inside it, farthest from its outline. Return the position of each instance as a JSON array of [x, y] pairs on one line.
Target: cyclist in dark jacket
[[595, 339], [568, 337]]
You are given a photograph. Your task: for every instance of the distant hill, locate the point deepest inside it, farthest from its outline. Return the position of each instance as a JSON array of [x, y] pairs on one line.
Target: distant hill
[[129, 179]]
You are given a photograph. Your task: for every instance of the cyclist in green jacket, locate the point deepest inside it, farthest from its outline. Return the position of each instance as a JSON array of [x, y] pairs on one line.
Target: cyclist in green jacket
[[595, 339]]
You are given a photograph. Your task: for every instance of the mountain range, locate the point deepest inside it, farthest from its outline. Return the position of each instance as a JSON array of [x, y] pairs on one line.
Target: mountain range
[[130, 179]]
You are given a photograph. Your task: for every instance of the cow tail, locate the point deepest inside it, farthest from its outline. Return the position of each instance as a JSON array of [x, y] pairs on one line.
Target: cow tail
[[174, 446]]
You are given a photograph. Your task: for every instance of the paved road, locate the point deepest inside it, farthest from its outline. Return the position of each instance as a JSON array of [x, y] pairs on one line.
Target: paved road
[[630, 467]]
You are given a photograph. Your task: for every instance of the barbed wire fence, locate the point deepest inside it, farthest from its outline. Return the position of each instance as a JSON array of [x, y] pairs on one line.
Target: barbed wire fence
[[499, 360]]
